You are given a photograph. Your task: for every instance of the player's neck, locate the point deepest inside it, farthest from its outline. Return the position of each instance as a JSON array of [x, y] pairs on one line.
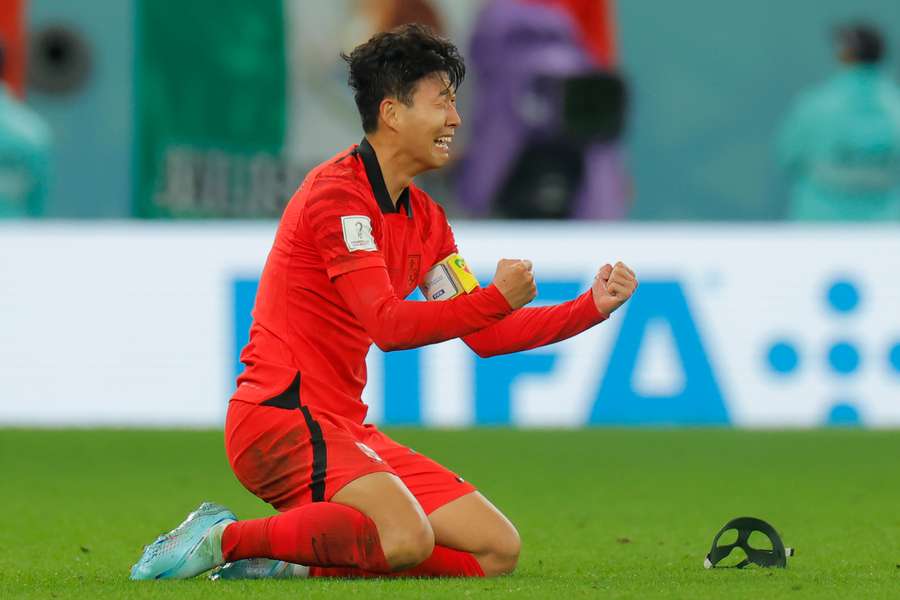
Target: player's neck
[[397, 167]]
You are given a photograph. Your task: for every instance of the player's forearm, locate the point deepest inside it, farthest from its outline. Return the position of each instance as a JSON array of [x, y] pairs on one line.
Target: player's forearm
[[529, 328], [395, 324], [413, 324]]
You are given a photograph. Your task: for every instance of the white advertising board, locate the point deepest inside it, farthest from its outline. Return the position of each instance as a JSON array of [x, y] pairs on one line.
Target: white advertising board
[[139, 324]]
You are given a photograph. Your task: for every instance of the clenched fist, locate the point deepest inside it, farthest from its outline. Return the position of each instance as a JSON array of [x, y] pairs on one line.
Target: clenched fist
[[613, 286], [515, 281]]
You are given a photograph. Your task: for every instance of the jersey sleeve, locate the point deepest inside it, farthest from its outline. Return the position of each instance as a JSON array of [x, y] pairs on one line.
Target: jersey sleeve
[[395, 324], [529, 328], [344, 229]]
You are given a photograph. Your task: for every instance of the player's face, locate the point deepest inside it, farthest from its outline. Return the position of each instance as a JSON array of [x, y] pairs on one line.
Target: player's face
[[429, 123]]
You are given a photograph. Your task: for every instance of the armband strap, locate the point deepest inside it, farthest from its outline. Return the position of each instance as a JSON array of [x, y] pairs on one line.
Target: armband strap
[[448, 279]]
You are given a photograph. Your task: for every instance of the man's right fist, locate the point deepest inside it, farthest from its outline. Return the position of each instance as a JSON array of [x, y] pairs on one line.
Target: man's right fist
[[515, 281]]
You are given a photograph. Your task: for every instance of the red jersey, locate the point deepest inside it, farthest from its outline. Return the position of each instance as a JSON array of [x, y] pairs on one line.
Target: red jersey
[[341, 219], [344, 257]]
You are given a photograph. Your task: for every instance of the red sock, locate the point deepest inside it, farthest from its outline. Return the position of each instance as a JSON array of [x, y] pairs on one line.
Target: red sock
[[323, 534], [443, 562]]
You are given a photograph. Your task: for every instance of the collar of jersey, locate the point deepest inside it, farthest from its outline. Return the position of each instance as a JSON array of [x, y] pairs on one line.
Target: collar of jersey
[[376, 180]]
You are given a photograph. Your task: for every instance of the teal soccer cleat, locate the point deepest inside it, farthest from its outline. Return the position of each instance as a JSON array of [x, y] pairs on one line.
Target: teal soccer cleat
[[259, 568], [191, 548]]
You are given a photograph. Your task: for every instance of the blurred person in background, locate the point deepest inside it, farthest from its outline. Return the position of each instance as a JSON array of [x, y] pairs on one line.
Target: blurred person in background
[[24, 154], [840, 146], [548, 113]]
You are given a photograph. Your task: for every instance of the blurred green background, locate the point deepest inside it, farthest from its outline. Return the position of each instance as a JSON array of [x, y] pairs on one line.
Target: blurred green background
[[711, 83]]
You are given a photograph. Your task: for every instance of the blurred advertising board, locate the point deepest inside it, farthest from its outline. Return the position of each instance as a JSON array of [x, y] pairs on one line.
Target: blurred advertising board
[[750, 326]]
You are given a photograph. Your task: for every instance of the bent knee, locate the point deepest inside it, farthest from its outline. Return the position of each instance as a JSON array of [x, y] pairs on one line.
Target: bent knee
[[407, 546], [503, 555]]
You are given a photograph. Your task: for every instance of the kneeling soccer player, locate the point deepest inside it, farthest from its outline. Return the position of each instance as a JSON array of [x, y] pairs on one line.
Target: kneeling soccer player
[[355, 240]]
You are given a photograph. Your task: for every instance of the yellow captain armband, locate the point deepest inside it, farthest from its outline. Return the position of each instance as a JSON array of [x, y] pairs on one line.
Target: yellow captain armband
[[448, 279]]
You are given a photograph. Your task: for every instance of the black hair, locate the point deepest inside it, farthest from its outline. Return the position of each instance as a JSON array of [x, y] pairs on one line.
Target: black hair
[[863, 41], [391, 63]]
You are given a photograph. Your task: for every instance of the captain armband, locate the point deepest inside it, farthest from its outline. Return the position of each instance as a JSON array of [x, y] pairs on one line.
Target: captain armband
[[448, 279]]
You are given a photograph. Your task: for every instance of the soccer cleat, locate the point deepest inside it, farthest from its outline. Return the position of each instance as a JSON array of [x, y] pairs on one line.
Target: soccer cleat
[[259, 568], [191, 548]]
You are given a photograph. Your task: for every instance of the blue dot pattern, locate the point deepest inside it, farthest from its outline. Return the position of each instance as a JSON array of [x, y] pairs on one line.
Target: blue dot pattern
[[843, 296], [783, 357], [894, 357], [843, 415], [843, 358]]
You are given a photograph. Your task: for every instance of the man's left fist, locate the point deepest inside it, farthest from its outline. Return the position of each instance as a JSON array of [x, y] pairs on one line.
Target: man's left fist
[[613, 286]]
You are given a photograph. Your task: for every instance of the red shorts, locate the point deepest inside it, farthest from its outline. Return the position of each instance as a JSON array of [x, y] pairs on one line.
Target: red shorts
[[290, 457]]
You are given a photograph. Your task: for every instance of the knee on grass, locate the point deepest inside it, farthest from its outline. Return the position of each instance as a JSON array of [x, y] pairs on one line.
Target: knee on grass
[[406, 547], [502, 556]]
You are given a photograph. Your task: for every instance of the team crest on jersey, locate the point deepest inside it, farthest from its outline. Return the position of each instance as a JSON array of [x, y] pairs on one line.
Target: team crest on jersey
[[369, 452], [358, 233]]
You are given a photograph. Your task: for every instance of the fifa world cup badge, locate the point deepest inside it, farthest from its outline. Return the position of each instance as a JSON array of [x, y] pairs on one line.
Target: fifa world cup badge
[[358, 233]]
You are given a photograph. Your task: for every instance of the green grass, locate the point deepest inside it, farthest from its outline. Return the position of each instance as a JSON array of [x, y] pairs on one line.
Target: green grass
[[609, 513]]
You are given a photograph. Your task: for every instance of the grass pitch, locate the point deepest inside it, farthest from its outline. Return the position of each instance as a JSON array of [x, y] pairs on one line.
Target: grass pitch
[[602, 513]]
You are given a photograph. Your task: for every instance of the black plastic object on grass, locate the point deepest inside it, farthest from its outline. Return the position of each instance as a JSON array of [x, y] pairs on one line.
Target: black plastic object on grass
[[745, 526]]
